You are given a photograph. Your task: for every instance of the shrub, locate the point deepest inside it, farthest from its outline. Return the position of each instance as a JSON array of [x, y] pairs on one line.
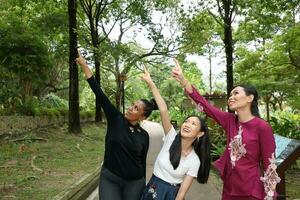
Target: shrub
[[217, 138], [286, 124], [29, 107], [53, 101]]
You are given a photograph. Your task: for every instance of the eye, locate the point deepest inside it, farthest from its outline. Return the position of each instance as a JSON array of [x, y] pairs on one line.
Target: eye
[[234, 93]]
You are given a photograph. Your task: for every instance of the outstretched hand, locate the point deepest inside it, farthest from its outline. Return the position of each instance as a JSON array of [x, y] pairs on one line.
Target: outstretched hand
[[146, 76], [177, 72], [80, 60]]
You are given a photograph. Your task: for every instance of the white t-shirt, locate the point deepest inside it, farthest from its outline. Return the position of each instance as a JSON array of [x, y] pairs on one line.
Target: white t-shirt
[[163, 168]]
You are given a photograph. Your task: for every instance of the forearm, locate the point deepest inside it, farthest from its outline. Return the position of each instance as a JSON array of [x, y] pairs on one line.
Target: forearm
[[180, 196], [162, 106], [86, 70], [185, 84]]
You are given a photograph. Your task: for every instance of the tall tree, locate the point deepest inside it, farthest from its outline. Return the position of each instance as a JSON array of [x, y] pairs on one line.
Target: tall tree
[[74, 116], [95, 11], [123, 16], [201, 36], [226, 10]]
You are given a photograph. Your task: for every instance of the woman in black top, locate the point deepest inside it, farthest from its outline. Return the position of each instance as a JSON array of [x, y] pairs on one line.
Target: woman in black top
[[126, 145]]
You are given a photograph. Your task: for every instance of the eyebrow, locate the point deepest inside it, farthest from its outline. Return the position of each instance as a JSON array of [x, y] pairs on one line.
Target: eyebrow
[[235, 90]]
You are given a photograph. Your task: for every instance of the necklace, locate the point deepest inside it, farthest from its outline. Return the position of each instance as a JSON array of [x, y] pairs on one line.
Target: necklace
[[132, 129], [186, 153]]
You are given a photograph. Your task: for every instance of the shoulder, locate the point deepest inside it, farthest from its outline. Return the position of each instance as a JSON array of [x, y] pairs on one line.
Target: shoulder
[[262, 124], [195, 158], [263, 127], [170, 136], [143, 131]]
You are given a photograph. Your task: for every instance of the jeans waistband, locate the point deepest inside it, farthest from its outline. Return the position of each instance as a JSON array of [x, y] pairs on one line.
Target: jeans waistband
[[165, 182]]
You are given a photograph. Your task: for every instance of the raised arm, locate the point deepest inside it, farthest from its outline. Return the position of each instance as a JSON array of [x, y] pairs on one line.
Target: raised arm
[[109, 109], [162, 106], [203, 105]]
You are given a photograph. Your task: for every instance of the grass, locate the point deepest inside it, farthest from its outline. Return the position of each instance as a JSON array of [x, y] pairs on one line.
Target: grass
[[62, 160]]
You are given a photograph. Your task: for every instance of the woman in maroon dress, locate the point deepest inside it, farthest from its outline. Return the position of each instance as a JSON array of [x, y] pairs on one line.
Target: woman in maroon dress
[[250, 140]]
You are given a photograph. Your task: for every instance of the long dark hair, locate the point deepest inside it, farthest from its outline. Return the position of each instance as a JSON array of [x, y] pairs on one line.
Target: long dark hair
[[149, 106], [251, 90], [201, 148]]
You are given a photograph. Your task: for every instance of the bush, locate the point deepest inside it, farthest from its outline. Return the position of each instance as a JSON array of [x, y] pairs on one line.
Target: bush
[[50, 112], [53, 101], [286, 124], [29, 107], [87, 114], [217, 138]]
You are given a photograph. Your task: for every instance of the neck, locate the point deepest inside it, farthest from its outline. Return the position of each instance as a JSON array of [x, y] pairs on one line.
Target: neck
[[244, 115], [186, 144], [133, 122]]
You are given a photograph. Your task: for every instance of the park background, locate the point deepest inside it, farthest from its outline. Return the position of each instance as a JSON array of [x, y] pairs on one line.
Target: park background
[[51, 126]]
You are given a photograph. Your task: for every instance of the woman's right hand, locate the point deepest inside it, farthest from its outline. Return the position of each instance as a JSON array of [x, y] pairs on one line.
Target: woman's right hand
[[179, 77], [178, 74], [146, 76], [80, 60], [86, 70]]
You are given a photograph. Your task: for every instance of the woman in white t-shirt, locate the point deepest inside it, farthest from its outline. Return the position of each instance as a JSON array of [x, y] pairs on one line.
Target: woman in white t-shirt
[[183, 157]]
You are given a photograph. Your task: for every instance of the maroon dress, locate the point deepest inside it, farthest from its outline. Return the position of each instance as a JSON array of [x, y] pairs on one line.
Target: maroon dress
[[248, 144]]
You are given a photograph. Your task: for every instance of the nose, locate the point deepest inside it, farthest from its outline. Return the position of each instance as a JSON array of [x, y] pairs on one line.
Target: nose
[[130, 108], [186, 124]]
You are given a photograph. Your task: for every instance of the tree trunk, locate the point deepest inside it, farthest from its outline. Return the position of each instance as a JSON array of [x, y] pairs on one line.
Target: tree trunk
[[98, 114], [228, 50], [74, 116]]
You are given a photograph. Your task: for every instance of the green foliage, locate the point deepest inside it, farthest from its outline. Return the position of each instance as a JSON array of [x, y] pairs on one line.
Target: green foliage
[[29, 107], [286, 124], [199, 33], [87, 114], [27, 48], [53, 101], [217, 139], [23, 53]]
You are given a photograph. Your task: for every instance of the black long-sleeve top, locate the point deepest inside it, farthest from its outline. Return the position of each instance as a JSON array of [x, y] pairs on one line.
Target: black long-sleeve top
[[126, 145]]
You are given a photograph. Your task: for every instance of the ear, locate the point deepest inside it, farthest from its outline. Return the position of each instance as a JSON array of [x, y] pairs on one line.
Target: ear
[[250, 98], [200, 134]]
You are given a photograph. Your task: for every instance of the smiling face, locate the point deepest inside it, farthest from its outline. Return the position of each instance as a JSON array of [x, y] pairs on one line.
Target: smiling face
[[238, 99], [191, 128], [135, 112]]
